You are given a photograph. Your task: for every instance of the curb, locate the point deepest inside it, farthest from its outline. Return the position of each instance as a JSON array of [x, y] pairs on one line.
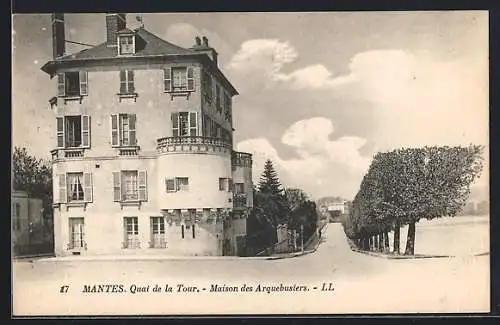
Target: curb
[[409, 257]]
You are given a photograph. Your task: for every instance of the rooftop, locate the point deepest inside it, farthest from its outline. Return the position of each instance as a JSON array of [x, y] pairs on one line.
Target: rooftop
[[148, 45]]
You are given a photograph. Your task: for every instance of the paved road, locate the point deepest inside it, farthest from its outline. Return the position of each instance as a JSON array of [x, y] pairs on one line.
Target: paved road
[[362, 284]]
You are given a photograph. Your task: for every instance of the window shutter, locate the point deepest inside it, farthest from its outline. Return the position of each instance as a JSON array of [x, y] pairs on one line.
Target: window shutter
[[114, 130], [167, 79], [60, 132], [62, 188], [61, 85], [190, 78], [87, 187], [175, 124], [117, 189], [131, 127], [143, 186], [193, 122], [83, 83], [230, 185], [170, 184], [123, 82], [130, 82], [85, 131]]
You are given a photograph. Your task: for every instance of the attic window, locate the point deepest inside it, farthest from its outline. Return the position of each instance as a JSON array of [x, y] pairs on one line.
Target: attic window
[[127, 44]]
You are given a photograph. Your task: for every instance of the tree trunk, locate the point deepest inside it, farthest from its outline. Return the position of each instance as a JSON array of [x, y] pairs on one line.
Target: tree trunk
[[380, 241], [370, 242], [377, 242], [386, 241], [366, 243], [396, 237], [410, 242]]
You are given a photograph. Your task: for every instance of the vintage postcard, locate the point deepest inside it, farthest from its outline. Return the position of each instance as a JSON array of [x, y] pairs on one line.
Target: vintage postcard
[[250, 163]]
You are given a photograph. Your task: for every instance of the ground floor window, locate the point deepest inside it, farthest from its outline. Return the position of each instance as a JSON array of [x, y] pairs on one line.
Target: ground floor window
[[158, 236], [131, 232], [76, 233]]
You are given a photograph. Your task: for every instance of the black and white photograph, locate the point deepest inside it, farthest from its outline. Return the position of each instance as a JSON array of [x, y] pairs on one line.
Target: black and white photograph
[[239, 163]]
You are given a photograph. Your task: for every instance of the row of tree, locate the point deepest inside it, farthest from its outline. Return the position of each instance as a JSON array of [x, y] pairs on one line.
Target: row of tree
[[405, 185], [272, 206]]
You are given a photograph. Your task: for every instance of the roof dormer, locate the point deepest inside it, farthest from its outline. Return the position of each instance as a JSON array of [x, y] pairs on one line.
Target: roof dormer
[[126, 42]]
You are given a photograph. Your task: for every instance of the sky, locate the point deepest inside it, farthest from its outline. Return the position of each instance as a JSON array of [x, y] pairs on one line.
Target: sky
[[320, 93]]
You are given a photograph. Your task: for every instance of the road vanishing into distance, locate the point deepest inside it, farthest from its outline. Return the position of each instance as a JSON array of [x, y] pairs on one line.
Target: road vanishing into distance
[[332, 280]]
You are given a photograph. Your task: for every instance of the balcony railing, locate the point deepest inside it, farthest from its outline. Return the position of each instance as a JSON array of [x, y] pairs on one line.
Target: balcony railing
[[241, 159], [192, 144], [67, 153]]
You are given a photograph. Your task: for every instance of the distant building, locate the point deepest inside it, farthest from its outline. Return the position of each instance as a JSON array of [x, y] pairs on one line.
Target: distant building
[[144, 157], [27, 218], [331, 208]]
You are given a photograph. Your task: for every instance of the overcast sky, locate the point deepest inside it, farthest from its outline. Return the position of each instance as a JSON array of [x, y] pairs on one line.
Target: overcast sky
[[320, 93]]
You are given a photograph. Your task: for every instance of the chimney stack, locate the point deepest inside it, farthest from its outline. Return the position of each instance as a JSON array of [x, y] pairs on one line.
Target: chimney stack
[[197, 41], [114, 23], [205, 41], [58, 35]]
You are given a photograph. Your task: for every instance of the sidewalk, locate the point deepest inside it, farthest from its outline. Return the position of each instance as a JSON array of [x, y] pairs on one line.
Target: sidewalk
[[312, 247]]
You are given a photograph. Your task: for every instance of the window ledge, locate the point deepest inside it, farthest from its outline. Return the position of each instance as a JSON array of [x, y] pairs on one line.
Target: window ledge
[[128, 96], [136, 203], [78, 204], [179, 93], [72, 98]]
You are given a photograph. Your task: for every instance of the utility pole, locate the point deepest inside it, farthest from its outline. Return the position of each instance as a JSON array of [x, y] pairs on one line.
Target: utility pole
[[302, 237]]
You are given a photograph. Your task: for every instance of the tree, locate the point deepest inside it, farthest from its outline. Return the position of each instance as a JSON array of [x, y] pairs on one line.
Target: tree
[[273, 202], [302, 212], [34, 176]]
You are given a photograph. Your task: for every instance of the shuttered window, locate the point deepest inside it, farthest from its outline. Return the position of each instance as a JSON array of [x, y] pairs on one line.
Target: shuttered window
[[123, 130]]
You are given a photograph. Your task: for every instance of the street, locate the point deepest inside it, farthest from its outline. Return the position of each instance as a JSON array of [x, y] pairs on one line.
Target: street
[[359, 284]]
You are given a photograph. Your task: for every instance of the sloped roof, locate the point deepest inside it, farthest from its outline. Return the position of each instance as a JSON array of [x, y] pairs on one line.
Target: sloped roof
[[148, 45], [153, 46]]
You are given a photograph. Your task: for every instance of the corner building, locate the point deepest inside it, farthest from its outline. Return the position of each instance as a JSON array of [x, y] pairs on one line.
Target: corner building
[[144, 160]]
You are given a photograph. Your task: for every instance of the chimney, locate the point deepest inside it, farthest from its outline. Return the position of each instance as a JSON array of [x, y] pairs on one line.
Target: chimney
[[58, 35], [197, 41], [205, 41], [114, 23]]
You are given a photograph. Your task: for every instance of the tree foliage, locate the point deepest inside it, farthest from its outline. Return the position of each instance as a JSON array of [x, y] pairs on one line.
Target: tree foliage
[[405, 185], [33, 176]]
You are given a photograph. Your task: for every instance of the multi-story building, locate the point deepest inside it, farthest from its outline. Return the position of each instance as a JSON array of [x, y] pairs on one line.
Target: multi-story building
[[144, 155]]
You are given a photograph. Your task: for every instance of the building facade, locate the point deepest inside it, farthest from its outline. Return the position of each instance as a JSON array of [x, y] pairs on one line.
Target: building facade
[[144, 155]]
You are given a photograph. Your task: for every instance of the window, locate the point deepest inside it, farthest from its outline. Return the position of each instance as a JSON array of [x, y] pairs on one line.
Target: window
[[130, 185], [222, 184], [178, 79], [177, 184], [131, 232], [184, 124], [225, 184], [239, 188], [76, 232], [227, 107], [218, 98], [207, 85], [158, 239], [75, 187], [127, 44], [127, 82], [71, 84], [17, 216], [73, 131], [123, 130]]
